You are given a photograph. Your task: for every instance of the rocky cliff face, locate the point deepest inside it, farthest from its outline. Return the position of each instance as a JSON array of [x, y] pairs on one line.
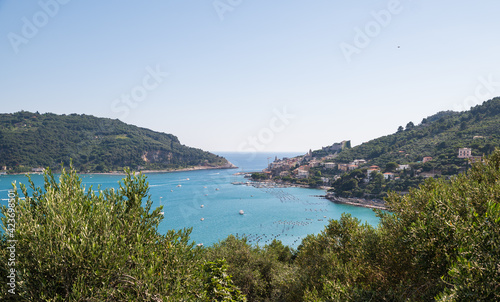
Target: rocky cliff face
[[157, 156]]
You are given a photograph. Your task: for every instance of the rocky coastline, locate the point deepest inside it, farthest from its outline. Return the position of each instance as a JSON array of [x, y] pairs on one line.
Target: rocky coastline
[[360, 202]]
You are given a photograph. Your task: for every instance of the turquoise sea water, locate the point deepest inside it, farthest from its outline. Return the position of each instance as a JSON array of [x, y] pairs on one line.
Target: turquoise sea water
[[288, 214]]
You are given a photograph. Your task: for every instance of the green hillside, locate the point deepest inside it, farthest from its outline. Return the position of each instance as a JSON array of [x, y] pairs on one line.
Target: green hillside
[[438, 136], [398, 157], [29, 140]]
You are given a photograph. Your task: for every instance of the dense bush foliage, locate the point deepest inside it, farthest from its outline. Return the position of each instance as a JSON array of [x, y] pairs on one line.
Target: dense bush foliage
[[93, 144], [75, 245], [439, 242], [262, 274]]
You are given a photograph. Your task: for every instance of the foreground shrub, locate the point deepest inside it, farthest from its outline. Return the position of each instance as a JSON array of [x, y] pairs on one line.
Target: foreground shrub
[[80, 245]]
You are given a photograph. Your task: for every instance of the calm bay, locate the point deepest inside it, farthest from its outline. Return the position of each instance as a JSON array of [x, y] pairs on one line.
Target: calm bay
[[209, 202]]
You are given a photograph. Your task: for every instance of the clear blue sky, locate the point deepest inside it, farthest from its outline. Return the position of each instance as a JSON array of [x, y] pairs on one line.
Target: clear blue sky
[[333, 70]]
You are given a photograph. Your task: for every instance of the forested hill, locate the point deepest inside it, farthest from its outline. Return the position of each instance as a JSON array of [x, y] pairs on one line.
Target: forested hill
[[438, 136], [29, 140]]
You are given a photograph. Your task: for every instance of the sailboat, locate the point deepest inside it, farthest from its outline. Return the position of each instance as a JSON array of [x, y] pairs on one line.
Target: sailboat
[[162, 213]]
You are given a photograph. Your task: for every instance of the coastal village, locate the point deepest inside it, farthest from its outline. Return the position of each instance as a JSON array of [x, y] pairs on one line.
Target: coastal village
[[327, 173]]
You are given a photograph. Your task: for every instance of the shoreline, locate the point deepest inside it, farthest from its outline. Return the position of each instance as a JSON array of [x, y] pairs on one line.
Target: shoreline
[[194, 168], [358, 202]]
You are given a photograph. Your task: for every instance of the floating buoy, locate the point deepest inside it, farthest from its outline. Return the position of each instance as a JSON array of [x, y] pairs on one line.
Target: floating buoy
[[241, 212]]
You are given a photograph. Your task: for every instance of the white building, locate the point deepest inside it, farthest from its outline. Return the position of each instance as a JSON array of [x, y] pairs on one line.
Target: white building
[[314, 164], [325, 180], [388, 175], [359, 162], [371, 170], [302, 173], [403, 167], [330, 165], [464, 152]]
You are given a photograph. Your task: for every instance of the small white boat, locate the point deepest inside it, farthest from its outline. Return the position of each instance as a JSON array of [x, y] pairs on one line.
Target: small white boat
[[200, 244], [187, 178], [179, 185], [162, 213], [241, 212], [171, 190], [202, 219], [201, 206], [217, 189]]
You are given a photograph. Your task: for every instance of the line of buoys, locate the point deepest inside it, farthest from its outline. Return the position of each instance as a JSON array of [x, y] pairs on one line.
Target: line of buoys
[[280, 194], [316, 210], [266, 238], [292, 223]]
